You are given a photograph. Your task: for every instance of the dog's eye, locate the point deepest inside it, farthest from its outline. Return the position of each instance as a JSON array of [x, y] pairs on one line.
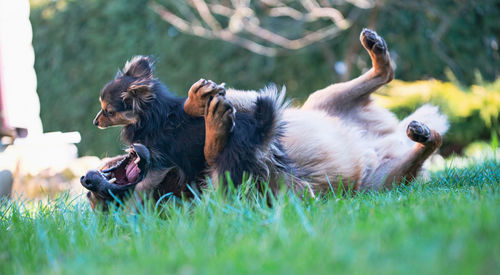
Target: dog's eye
[[111, 113]]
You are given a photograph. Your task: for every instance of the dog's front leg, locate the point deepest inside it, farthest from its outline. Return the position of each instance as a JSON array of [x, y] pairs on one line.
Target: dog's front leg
[[202, 90], [198, 95], [219, 122]]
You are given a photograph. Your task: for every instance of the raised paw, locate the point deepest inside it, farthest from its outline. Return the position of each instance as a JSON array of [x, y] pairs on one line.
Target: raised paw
[[220, 115], [418, 132], [378, 50], [219, 123], [372, 41], [198, 95]]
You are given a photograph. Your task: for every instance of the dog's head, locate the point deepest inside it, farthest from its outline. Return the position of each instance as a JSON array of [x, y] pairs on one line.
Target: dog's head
[[123, 98], [118, 177]]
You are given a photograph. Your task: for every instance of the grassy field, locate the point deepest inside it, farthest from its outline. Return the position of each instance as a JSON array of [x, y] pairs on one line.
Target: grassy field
[[449, 225]]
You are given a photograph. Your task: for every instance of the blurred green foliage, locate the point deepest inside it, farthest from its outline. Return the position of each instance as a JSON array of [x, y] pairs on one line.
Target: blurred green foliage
[[79, 45], [473, 113]]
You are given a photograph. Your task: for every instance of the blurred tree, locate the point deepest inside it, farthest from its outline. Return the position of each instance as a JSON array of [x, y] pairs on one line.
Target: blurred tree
[[255, 25], [271, 27], [79, 45]]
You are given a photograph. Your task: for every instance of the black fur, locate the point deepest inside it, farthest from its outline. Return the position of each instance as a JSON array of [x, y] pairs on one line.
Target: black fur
[[176, 139], [252, 131], [169, 133]]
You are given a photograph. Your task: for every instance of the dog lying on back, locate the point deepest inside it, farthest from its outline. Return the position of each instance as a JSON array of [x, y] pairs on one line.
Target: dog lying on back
[[337, 137]]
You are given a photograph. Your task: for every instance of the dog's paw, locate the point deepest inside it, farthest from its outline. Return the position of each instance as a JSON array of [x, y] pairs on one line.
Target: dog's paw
[[379, 53], [219, 115], [373, 42], [198, 95], [418, 132]]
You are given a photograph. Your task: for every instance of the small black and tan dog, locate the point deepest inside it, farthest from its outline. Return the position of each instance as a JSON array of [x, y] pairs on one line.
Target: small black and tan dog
[[155, 119], [337, 137]]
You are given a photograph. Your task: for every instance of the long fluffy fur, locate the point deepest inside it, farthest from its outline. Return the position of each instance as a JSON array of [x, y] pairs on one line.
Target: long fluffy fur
[[176, 140], [307, 149], [318, 150]]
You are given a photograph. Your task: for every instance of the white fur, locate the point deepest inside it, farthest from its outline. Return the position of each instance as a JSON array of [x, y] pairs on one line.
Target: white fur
[[430, 116]]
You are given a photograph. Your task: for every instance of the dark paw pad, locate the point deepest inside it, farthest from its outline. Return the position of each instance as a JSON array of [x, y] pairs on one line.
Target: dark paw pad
[[418, 132], [372, 41]]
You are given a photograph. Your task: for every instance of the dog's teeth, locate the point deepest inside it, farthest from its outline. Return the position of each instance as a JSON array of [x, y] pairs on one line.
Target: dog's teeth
[[112, 180], [136, 161], [129, 150]]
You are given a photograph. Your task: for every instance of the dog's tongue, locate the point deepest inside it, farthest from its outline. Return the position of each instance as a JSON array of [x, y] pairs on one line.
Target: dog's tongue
[[132, 172]]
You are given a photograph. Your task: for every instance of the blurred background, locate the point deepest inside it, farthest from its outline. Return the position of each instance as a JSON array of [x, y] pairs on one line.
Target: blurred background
[[445, 52]]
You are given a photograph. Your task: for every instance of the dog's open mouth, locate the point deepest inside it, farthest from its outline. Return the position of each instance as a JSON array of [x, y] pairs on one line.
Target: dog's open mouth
[[120, 174], [125, 171]]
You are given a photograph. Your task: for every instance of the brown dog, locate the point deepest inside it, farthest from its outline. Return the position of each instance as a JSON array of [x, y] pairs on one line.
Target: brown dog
[[339, 133]]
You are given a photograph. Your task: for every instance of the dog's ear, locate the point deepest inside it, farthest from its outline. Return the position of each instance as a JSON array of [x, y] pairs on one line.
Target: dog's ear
[[138, 94], [140, 67], [141, 90]]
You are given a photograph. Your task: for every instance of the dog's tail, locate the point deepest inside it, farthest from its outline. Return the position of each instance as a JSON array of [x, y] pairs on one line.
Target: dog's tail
[[268, 111], [430, 116]]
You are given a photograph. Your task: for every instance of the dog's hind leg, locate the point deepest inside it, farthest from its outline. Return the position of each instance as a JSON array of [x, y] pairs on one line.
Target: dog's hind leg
[[341, 97], [404, 169]]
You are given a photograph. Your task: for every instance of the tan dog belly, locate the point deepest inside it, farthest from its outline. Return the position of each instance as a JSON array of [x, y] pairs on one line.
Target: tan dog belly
[[326, 148]]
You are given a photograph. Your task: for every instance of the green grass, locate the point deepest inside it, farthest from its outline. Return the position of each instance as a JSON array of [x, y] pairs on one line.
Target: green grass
[[448, 225]]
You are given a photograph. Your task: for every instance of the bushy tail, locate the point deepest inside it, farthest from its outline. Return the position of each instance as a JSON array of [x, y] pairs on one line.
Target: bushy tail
[[430, 116], [268, 110]]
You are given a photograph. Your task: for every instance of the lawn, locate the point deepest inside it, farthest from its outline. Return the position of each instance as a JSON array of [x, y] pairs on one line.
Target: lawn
[[450, 224]]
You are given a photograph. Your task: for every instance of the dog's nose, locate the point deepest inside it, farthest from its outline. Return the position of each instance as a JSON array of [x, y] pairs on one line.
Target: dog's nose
[[96, 122]]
